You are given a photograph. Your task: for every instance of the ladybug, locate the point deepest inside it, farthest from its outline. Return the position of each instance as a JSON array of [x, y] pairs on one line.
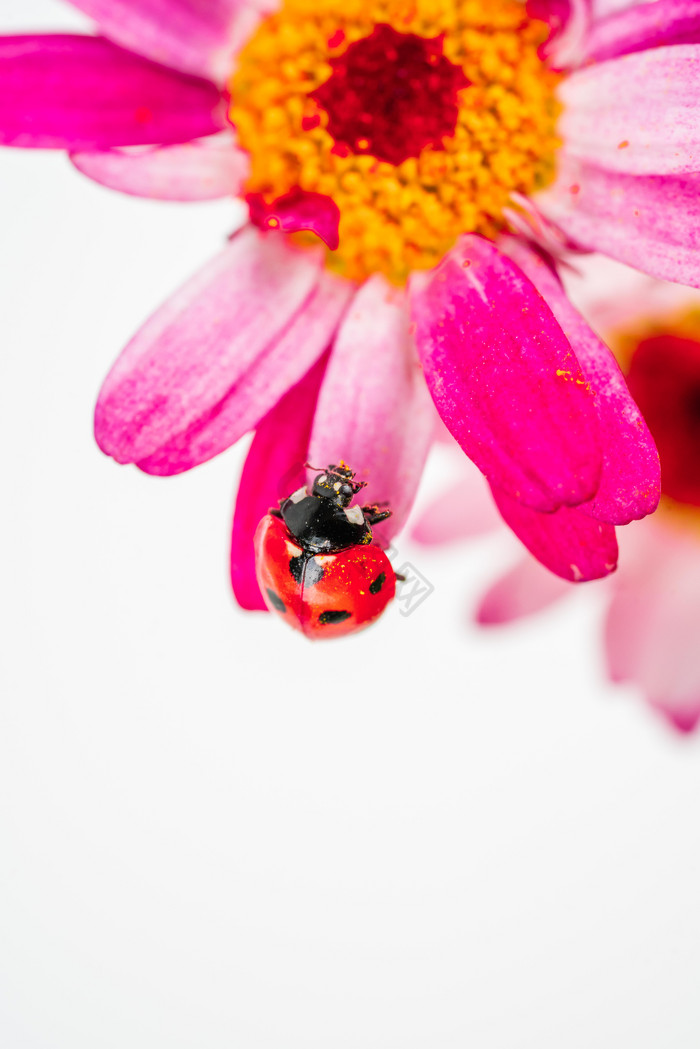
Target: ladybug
[[316, 564]]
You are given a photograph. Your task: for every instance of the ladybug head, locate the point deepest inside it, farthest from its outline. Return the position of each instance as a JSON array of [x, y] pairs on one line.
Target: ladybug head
[[337, 484]]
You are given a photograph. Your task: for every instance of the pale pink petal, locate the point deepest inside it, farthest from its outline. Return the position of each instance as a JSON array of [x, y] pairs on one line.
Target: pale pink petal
[[603, 8], [203, 170], [630, 484], [465, 510], [195, 36], [568, 21], [590, 283], [373, 410], [628, 625], [274, 467], [441, 435], [568, 542], [638, 114], [190, 353], [653, 624], [505, 379], [526, 219], [644, 26], [524, 589], [624, 634], [649, 222], [85, 93], [267, 379]]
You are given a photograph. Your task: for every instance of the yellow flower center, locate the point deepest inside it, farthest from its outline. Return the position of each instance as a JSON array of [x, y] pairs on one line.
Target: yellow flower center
[[417, 118]]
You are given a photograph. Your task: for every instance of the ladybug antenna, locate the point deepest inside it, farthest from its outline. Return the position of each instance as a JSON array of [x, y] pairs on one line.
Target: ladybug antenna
[[341, 468]]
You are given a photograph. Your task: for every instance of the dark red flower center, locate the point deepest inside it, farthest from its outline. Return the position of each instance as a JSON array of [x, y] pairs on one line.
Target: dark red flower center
[[664, 379], [390, 95]]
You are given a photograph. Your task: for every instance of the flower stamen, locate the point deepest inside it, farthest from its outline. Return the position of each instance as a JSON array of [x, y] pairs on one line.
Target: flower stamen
[[418, 118], [391, 95]]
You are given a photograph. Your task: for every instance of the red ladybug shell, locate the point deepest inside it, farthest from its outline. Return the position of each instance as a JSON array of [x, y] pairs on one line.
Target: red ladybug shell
[[324, 595]]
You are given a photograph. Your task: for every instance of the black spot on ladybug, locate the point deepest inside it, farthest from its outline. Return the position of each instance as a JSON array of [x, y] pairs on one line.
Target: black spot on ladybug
[[296, 567], [306, 568], [276, 601], [378, 583], [333, 616]]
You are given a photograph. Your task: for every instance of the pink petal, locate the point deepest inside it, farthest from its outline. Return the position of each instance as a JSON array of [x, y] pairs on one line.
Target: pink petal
[[684, 717], [505, 379], [638, 114], [526, 219], [567, 542], [373, 410], [195, 36], [202, 341], [623, 636], [85, 93], [652, 624], [267, 379], [568, 20], [603, 8], [661, 302], [442, 435], [525, 589], [203, 170], [295, 211], [644, 26], [649, 222], [274, 467], [465, 510], [630, 484], [556, 13]]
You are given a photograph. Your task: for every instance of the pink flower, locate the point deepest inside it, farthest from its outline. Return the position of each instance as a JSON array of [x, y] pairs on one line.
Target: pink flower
[[652, 623], [409, 139]]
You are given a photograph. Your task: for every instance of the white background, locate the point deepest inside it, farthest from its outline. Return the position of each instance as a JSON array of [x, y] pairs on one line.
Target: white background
[[214, 834]]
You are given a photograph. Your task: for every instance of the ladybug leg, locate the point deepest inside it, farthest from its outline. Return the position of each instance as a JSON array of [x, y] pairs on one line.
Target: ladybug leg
[[373, 515], [275, 512]]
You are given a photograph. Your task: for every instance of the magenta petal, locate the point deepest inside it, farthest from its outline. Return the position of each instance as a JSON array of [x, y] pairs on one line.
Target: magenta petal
[[567, 542], [295, 211], [630, 484], [652, 624], [201, 342], [274, 467], [262, 385], [195, 36], [650, 222], [644, 26], [84, 93], [505, 379], [525, 589], [373, 410], [638, 114], [203, 170]]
